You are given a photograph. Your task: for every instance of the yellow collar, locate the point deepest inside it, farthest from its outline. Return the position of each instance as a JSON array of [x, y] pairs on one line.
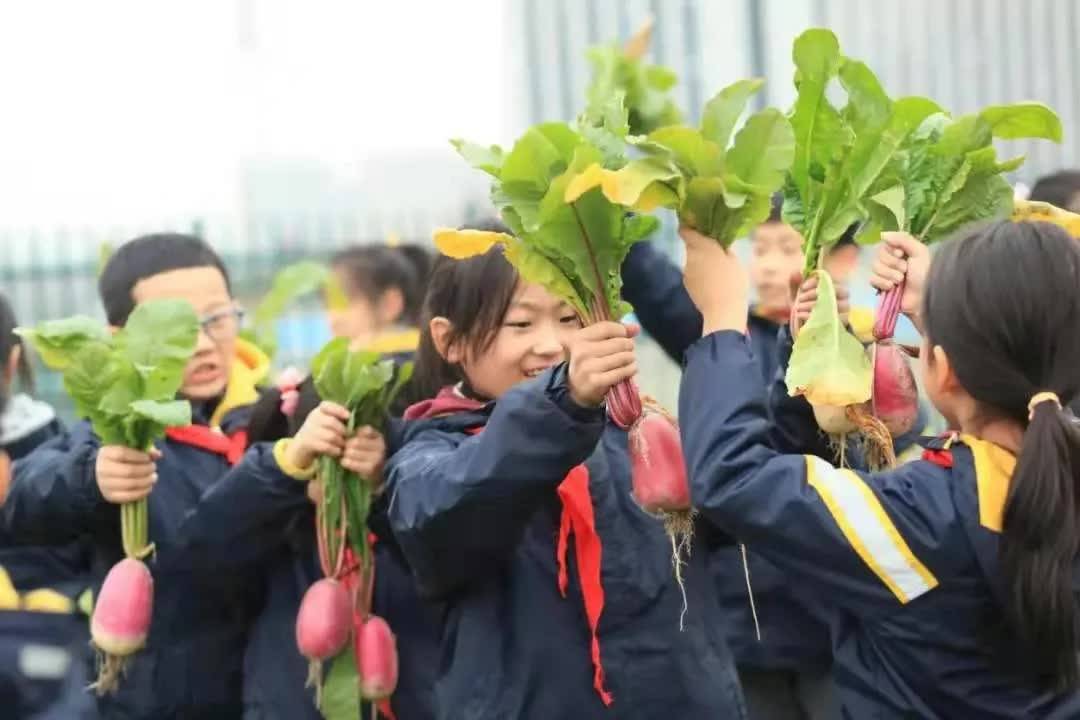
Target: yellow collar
[[249, 367], [994, 467], [395, 342]]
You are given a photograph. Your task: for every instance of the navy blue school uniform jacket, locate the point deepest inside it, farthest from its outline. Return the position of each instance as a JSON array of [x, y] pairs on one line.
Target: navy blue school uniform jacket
[[43, 673], [262, 515], [191, 666], [25, 425], [790, 637], [43, 643], [559, 593], [274, 532], [904, 563]]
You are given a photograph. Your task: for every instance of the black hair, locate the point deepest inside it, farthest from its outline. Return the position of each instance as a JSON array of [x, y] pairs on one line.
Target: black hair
[[371, 270], [1061, 189], [145, 257], [8, 342], [1002, 302], [776, 208], [847, 239], [422, 259], [474, 295]]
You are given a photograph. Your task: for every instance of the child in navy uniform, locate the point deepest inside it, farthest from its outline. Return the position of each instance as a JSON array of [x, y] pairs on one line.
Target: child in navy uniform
[[949, 581], [44, 657], [510, 499], [73, 486]]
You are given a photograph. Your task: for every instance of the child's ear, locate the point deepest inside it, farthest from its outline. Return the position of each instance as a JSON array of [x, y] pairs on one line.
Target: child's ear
[[441, 333], [942, 371]]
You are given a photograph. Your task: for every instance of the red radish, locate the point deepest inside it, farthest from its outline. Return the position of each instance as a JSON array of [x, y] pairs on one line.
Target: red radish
[[323, 624], [660, 486], [895, 398], [121, 619], [659, 470], [376, 658], [624, 404]]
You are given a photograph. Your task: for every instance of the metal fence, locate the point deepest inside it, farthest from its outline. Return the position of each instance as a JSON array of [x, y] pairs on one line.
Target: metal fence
[[48, 275]]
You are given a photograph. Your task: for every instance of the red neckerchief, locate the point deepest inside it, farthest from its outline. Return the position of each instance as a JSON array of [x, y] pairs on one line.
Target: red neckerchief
[[577, 518], [231, 447], [941, 456]]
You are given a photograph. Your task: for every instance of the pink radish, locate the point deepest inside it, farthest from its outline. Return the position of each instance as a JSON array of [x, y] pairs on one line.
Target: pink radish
[[376, 659], [121, 618], [323, 625], [894, 401], [660, 486], [895, 397], [659, 470]]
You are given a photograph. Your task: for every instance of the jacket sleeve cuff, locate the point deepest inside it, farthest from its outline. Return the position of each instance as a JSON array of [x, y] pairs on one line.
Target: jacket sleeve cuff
[[297, 473], [559, 391]]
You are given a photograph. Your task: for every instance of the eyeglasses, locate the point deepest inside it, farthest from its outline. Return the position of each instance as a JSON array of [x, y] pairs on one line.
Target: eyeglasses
[[223, 324]]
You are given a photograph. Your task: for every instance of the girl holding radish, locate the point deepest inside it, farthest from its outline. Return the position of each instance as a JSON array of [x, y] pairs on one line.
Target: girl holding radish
[[948, 581], [510, 498]]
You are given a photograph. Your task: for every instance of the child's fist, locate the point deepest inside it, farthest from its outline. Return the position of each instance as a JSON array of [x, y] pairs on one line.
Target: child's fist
[[804, 301], [365, 453], [323, 433], [716, 282], [125, 475], [901, 257], [601, 356]]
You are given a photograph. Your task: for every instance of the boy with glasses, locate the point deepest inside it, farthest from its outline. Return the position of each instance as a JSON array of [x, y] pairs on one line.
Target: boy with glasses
[[192, 663]]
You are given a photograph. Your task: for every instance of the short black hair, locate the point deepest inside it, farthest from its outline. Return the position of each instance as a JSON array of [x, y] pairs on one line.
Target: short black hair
[[848, 238], [776, 208], [1062, 189], [145, 257]]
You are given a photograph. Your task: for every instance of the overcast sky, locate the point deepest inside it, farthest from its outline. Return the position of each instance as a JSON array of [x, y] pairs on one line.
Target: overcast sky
[[139, 109]]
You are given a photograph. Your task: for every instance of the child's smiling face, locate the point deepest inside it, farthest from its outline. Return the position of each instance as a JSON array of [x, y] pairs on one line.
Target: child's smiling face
[[532, 338], [207, 373]]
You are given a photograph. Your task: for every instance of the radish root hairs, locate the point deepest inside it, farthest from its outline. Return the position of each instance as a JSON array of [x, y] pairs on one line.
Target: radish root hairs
[[877, 443], [660, 485]]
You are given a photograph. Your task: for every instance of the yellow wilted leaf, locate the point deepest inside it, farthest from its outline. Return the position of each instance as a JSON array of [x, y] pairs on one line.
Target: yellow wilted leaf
[[591, 177], [1033, 211], [655, 196], [638, 44], [461, 244]]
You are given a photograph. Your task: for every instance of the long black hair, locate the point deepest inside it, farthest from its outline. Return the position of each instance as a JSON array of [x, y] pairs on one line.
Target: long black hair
[[8, 342], [474, 295], [1004, 304]]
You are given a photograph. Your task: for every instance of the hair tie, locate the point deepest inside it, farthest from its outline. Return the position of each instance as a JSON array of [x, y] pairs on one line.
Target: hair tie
[[1038, 399]]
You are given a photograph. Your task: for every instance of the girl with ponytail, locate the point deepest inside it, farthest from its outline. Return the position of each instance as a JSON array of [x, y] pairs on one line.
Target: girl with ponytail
[[949, 582]]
